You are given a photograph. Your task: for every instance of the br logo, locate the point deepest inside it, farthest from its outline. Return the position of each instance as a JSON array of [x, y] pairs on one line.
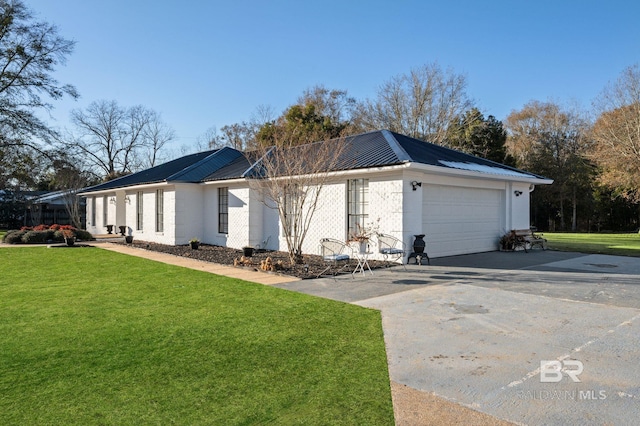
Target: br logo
[[552, 371]]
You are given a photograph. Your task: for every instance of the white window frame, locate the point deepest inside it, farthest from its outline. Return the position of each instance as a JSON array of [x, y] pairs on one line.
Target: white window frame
[[160, 210]]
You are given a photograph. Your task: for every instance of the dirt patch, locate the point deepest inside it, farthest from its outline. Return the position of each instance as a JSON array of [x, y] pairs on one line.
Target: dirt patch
[[415, 408]]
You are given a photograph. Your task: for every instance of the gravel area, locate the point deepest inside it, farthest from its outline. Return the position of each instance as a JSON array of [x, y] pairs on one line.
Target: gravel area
[[312, 266]]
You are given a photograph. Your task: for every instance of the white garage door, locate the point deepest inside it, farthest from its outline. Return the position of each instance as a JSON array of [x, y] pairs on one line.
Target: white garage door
[[461, 220]]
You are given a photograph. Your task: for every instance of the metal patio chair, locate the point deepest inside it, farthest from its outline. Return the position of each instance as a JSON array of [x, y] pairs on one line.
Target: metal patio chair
[[333, 253], [392, 248]]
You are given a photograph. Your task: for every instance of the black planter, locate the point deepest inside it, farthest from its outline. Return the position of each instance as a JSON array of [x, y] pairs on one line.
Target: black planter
[[418, 251], [419, 244], [128, 239], [123, 229], [194, 245], [109, 229], [70, 241], [247, 251]]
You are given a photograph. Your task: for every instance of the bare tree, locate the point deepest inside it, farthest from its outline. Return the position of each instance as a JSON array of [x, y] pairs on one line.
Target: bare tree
[[157, 135], [290, 179], [617, 134], [334, 104], [420, 104], [119, 140], [548, 139]]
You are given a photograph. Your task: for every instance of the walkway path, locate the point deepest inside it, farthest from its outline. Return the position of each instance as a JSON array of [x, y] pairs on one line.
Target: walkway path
[[214, 268]]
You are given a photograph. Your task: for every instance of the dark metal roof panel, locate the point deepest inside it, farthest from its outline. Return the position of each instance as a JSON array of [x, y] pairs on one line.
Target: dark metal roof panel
[[436, 155], [153, 175], [368, 150], [207, 166], [233, 170]]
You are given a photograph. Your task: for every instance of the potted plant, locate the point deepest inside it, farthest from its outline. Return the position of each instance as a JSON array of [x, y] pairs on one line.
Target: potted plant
[[247, 251], [195, 243], [362, 234], [109, 229], [128, 239]]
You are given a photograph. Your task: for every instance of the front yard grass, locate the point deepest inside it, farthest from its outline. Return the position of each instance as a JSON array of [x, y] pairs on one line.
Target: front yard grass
[[614, 244], [95, 337]]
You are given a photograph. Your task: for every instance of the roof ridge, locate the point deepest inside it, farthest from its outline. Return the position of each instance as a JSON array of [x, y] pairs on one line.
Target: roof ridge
[[400, 152]]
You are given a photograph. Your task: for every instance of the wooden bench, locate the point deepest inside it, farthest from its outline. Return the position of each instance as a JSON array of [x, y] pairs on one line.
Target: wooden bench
[[524, 237]]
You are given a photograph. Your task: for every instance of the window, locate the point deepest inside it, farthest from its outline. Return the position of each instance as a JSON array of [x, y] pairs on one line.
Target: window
[[105, 210], [160, 210], [223, 210], [139, 211], [93, 211], [358, 204], [291, 208]]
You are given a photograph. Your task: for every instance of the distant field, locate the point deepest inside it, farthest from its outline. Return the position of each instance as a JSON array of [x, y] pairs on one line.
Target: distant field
[[614, 244]]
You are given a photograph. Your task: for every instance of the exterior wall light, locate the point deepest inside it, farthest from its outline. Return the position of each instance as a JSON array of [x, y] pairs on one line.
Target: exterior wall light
[[415, 184]]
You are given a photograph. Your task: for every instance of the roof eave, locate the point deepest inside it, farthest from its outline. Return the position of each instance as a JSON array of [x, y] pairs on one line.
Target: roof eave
[[470, 173]]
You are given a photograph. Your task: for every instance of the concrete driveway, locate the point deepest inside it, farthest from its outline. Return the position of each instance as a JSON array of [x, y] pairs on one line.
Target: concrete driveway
[[474, 330]]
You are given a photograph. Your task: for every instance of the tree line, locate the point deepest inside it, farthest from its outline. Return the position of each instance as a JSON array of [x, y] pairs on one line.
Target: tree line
[[592, 155]]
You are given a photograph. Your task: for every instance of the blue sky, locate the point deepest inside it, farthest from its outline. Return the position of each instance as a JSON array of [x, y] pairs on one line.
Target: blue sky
[[210, 63]]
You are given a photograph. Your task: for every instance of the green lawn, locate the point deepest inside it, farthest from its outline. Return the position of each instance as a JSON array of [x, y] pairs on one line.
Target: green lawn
[[615, 244], [94, 337]]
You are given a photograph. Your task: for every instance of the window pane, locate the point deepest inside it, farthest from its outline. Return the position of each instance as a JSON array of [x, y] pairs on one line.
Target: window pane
[[160, 210], [139, 211], [105, 210], [358, 205], [223, 210]]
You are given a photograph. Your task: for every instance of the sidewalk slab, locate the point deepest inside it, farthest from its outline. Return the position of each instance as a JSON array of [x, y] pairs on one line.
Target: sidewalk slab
[[213, 268]]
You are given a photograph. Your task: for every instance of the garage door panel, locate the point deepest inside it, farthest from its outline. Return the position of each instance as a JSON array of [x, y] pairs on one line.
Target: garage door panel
[[461, 220]]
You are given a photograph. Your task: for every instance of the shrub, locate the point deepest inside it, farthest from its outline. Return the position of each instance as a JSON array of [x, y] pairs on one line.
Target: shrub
[[13, 237], [34, 237], [83, 235], [58, 237], [43, 234], [50, 234]]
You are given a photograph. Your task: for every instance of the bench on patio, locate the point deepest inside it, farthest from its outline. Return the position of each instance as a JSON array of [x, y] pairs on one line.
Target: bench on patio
[[527, 237]]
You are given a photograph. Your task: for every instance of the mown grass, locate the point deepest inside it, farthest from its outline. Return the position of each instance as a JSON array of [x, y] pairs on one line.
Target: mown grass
[[94, 337], [614, 244]]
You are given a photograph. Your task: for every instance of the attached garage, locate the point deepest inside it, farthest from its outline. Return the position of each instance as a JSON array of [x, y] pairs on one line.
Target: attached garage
[[460, 220]]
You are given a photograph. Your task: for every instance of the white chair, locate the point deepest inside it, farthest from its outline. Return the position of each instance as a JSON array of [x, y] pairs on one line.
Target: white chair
[[263, 244], [392, 248], [334, 252]]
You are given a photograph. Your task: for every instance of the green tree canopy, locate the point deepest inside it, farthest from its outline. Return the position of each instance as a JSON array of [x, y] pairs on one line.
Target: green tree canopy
[[30, 52], [472, 133]]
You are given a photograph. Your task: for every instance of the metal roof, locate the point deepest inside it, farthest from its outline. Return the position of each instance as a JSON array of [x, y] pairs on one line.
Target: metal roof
[[153, 175], [373, 149], [206, 167]]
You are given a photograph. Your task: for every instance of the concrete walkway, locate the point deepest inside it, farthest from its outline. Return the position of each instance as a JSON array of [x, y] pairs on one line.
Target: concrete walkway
[[213, 268]]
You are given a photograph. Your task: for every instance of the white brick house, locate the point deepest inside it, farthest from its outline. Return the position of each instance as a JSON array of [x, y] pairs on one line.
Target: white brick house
[[462, 203]]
